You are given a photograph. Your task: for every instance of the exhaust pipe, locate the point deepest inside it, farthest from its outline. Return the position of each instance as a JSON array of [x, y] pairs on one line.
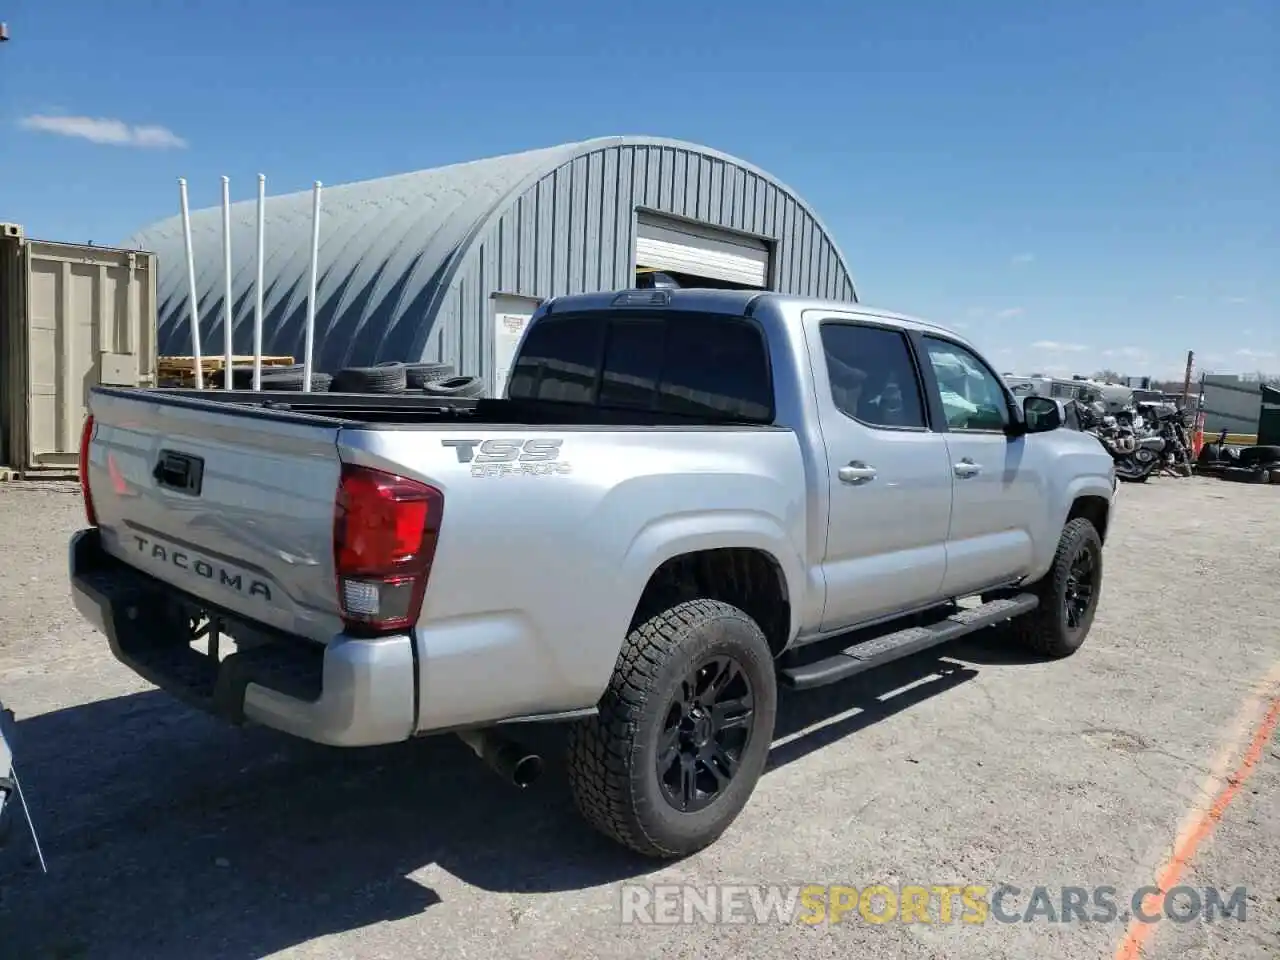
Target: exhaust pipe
[[508, 759]]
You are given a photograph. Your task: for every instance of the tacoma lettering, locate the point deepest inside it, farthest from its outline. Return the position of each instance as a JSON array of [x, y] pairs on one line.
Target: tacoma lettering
[[203, 568]]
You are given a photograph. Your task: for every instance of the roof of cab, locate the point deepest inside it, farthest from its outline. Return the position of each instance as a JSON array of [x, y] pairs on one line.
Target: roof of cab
[[733, 301]]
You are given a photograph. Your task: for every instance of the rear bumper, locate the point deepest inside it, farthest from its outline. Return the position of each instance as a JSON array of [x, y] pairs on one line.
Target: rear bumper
[[349, 692]]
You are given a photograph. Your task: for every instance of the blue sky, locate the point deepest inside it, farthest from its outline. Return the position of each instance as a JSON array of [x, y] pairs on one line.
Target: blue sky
[[1078, 184]]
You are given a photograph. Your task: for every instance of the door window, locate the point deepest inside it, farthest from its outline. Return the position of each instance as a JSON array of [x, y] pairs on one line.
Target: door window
[[873, 378], [972, 396]]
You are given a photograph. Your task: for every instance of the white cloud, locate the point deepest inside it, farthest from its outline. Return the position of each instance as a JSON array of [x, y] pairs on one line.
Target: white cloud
[[1235, 299], [1255, 354], [105, 130], [1180, 296], [976, 312], [1059, 347], [1021, 258], [1009, 312], [1129, 353]]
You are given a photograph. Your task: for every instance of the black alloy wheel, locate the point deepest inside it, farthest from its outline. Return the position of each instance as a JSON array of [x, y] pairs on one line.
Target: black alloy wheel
[[707, 729], [1081, 587]]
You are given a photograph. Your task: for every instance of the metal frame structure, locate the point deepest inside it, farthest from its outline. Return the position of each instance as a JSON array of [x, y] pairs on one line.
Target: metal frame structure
[[227, 318]]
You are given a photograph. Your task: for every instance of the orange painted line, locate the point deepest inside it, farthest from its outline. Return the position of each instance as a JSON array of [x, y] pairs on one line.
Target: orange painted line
[[1130, 947]]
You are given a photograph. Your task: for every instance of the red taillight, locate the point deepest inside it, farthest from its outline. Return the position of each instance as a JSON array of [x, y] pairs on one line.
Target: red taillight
[[384, 539], [86, 436]]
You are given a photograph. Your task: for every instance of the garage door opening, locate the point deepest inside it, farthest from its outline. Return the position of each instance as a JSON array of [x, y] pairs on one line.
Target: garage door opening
[[676, 253]]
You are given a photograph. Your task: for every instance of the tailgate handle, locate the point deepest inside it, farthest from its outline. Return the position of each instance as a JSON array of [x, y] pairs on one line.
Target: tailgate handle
[[179, 471]]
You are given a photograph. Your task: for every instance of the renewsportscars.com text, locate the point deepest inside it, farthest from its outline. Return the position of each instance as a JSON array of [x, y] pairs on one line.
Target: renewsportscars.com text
[[931, 904]]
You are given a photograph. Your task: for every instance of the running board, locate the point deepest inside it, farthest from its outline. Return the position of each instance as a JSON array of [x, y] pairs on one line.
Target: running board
[[880, 650]]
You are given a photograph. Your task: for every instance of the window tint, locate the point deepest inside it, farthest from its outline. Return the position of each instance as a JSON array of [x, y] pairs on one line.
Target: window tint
[[558, 361], [715, 366], [632, 363], [872, 377], [972, 397], [694, 364]]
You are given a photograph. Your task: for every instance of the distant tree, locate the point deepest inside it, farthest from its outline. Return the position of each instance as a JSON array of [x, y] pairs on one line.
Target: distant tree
[[1108, 376]]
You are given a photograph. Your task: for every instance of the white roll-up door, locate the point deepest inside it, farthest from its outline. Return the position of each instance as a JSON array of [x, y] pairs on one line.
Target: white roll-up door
[[681, 247]]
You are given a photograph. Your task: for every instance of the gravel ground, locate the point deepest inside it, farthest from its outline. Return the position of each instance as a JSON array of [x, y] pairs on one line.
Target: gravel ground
[[170, 835]]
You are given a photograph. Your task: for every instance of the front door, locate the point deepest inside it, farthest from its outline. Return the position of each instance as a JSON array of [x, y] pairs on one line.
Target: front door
[[998, 489], [889, 477]]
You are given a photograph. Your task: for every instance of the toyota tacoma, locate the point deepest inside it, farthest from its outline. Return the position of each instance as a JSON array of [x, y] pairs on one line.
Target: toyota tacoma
[[682, 501]]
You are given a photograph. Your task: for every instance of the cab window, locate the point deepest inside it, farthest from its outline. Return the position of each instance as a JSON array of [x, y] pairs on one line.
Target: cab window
[[871, 375], [973, 398]]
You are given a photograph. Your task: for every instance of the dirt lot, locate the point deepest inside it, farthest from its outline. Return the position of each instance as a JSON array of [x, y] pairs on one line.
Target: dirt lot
[[169, 835]]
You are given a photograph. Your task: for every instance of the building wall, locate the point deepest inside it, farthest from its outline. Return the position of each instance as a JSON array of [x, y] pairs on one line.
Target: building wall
[[1231, 404], [408, 264], [573, 231]]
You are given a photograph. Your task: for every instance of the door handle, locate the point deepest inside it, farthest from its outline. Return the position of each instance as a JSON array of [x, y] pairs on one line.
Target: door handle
[[856, 472], [967, 468]]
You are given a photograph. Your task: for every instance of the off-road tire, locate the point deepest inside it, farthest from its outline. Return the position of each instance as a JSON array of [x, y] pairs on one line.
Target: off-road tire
[[1045, 629], [612, 757], [320, 382], [418, 375], [385, 378], [467, 387]]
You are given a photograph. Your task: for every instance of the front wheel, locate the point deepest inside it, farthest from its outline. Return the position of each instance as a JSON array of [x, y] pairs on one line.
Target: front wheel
[[683, 731], [1068, 593]]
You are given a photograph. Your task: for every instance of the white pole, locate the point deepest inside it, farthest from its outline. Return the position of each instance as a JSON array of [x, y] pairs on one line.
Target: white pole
[[257, 306], [227, 380], [311, 296], [191, 286]]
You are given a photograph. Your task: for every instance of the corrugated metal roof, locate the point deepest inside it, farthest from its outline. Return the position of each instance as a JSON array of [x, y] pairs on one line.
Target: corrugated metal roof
[[385, 246]]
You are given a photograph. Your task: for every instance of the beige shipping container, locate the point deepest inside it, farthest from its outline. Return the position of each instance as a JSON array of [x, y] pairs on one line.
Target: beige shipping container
[[71, 316]]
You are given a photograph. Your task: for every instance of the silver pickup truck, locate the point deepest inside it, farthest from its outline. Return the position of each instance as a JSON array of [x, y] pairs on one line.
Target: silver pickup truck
[[684, 500]]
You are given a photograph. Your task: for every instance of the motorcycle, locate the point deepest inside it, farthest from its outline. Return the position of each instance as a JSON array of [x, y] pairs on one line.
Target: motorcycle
[[1136, 451], [1172, 426]]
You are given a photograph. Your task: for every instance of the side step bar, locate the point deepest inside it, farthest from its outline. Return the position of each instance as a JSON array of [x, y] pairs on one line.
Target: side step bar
[[875, 651]]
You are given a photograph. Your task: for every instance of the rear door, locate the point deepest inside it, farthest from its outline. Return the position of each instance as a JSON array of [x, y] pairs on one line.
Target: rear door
[[998, 488], [231, 504], [888, 473]]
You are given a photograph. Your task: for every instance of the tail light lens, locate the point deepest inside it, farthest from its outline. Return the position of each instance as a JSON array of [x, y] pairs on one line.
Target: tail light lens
[[86, 437], [385, 529]]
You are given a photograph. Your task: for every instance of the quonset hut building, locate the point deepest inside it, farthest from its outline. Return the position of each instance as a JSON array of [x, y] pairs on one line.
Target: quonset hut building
[[448, 264]]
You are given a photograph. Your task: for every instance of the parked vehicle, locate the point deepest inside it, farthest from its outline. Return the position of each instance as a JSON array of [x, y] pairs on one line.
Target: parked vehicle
[[687, 498], [1142, 439], [1169, 423]]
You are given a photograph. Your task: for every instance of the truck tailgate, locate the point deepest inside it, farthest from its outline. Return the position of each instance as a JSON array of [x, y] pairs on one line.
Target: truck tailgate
[[228, 504]]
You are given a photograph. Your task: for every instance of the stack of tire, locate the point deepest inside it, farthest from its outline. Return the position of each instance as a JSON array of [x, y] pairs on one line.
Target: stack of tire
[[1258, 464], [392, 376]]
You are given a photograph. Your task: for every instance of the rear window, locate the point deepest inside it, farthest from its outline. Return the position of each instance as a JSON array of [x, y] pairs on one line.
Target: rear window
[[700, 365]]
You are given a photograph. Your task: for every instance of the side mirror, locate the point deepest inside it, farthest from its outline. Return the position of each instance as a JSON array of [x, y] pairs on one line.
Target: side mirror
[[1041, 414]]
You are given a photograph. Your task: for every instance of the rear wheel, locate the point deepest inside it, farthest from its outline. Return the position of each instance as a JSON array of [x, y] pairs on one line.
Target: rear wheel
[[1068, 593], [683, 731]]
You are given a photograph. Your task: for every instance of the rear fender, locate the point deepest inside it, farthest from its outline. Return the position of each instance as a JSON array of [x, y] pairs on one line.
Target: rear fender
[[679, 534]]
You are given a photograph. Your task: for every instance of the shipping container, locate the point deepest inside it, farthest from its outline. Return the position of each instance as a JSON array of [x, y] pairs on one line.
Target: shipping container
[[71, 316]]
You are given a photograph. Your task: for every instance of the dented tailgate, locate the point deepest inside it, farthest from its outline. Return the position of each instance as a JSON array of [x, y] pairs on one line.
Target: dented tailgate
[[233, 505]]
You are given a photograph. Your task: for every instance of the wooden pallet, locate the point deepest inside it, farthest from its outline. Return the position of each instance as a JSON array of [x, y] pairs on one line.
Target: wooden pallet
[[181, 371]]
